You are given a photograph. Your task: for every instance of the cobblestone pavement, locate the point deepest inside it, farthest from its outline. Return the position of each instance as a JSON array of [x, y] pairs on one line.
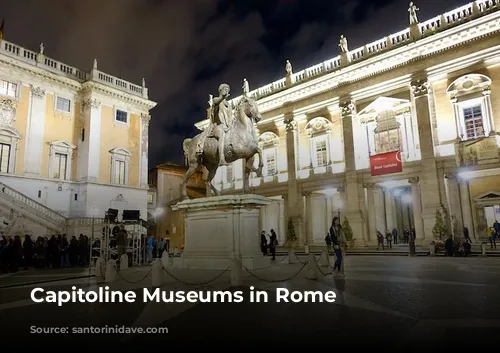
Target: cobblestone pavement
[[406, 302]]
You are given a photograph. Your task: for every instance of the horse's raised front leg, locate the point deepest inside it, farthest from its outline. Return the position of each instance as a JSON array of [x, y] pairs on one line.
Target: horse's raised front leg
[[261, 163], [191, 170], [246, 180]]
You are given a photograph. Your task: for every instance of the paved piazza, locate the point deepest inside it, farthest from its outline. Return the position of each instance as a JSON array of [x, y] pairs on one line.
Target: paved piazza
[[396, 301]]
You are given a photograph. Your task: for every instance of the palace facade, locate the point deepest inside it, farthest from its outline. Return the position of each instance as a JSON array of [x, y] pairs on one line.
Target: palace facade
[[387, 134], [73, 143]]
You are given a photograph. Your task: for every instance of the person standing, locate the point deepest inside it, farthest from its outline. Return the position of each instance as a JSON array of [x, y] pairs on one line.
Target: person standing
[[121, 241], [263, 243], [273, 243], [338, 241]]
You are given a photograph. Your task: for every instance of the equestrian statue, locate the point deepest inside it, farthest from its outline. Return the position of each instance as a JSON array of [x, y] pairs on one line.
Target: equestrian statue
[[231, 135]]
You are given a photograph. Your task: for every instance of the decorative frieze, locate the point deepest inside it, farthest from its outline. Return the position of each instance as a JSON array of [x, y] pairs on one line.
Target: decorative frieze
[[37, 92]]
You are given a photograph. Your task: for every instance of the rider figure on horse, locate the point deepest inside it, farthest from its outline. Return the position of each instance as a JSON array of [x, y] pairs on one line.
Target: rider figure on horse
[[221, 119]]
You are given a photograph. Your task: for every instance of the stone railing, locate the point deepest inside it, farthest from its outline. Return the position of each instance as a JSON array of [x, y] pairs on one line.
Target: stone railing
[[437, 24], [32, 206], [86, 221], [58, 68]]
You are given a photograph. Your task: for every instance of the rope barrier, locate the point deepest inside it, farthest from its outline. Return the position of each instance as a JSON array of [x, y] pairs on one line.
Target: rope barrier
[[134, 282], [275, 280]]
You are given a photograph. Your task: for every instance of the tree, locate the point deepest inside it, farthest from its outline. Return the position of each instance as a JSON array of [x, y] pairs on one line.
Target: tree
[[440, 229], [346, 227], [291, 237]]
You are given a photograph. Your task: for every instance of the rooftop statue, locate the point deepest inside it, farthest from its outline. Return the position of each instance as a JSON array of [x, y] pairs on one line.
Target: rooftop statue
[[343, 44], [288, 67], [413, 13], [230, 136]]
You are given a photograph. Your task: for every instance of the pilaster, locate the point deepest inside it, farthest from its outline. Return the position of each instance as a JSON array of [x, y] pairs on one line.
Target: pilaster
[[35, 132], [352, 187], [429, 183], [145, 119], [90, 158], [309, 219], [466, 207], [455, 206], [294, 197]]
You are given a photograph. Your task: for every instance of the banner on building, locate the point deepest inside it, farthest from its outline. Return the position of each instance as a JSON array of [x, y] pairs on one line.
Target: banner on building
[[386, 163]]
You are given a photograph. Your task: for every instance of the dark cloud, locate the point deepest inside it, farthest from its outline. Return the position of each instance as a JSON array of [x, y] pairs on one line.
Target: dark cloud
[[185, 48]]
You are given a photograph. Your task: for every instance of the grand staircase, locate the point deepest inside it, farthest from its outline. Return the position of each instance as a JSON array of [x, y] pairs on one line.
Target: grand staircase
[[19, 214]]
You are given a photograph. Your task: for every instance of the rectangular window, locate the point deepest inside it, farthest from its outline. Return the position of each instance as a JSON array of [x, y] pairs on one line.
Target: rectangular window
[[4, 157], [473, 118], [150, 198], [321, 157], [8, 88], [229, 173], [121, 116], [63, 104], [60, 166], [76, 197], [387, 141], [83, 135], [270, 164], [120, 172]]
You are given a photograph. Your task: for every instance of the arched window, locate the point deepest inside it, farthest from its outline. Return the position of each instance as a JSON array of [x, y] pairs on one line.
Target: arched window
[[61, 155], [268, 142], [319, 130], [470, 96], [120, 160]]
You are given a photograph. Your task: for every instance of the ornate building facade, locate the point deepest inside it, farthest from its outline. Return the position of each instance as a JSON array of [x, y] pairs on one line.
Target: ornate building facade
[[426, 100], [73, 143]]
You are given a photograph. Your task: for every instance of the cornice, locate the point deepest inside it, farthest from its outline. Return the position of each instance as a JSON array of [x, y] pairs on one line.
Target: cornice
[[91, 86], [429, 46]]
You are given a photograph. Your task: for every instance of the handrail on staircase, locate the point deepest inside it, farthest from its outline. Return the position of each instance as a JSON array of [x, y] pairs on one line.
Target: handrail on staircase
[[36, 207]]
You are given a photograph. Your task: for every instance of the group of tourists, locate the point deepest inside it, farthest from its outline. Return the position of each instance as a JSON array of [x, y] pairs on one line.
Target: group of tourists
[[54, 252]]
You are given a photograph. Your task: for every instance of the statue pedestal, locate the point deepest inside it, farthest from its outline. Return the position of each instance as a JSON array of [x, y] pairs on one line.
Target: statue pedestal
[[220, 228]]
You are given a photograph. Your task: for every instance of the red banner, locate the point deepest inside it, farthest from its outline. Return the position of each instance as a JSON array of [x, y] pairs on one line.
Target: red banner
[[386, 163]]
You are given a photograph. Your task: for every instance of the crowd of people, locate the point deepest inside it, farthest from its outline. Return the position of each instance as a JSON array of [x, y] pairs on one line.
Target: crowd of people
[[44, 252]]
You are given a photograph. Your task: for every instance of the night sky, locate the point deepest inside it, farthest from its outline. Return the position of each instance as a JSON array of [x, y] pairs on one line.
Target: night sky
[[186, 48]]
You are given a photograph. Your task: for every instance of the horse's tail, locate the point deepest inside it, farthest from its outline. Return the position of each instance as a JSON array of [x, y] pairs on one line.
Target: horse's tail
[[185, 149]]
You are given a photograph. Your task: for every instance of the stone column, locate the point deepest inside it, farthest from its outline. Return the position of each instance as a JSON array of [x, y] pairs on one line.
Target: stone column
[[455, 205], [372, 218], [379, 210], [342, 210], [487, 103], [329, 208], [399, 214], [353, 196], [429, 183], [466, 207], [145, 119], [309, 219], [294, 197], [35, 133], [458, 124], [282, 221], [417, 209], [389, 215]]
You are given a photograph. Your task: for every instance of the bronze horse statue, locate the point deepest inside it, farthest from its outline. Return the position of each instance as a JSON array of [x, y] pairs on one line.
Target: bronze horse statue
[[240, 142]]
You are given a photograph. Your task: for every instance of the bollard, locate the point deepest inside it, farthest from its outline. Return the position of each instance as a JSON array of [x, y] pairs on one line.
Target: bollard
[[110, 271], [157, 274], [291, 256], [100, 268], [165, 260], [432, 249], [483, 249], [306, 249], [324, 259], [123, 262], [312, 268], [236, 272]]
